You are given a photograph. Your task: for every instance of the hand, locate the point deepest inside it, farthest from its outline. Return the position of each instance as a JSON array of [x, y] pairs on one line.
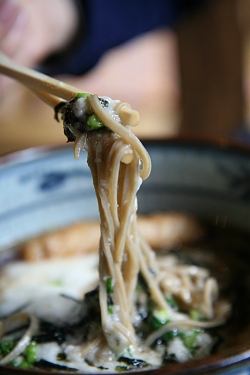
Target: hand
[[30, 30]]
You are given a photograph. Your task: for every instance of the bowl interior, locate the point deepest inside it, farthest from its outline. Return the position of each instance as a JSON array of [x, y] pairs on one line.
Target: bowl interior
[[46, 189]]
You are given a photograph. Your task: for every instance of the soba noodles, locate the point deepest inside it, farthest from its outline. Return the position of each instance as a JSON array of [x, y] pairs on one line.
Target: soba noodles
[[132, 280]]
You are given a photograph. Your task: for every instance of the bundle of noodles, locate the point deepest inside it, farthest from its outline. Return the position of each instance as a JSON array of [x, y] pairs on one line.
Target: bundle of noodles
[[119, 163], [116, 168]]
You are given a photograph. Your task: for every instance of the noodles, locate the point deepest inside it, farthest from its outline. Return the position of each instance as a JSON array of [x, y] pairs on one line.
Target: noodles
[[116, 185], [135, 288], [6, 325], [125, 134], [115, 161]]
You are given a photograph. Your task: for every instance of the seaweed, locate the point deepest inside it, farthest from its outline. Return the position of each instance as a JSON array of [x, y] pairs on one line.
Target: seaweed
[[134, 362], [50, 332], [87, 122], [46, 365]]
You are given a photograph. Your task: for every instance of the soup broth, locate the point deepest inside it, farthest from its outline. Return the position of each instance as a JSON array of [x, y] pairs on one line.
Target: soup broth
[[69, 325]]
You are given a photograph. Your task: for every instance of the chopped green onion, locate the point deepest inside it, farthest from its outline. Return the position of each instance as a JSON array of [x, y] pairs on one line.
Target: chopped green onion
[[196, 314], [159, 318], [94, 123], [109, 285], [170, 335], [6, 346], [110, 309], [30, 352], [189, 339], [82, 95]]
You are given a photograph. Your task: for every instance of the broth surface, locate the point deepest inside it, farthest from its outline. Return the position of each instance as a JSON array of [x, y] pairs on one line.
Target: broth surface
[[52, 290]]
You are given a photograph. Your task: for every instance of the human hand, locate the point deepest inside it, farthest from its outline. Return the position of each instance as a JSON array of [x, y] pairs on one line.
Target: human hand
[[31, 30]]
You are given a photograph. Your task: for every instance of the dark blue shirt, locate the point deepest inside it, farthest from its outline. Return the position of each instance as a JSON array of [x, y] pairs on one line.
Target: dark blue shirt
[[109, 23]]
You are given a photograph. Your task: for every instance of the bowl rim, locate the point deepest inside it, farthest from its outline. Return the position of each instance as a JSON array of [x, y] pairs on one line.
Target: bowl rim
[[220, 143]]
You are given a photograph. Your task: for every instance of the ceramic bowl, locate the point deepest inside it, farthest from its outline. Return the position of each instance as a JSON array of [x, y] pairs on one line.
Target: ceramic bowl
[[43, 189]]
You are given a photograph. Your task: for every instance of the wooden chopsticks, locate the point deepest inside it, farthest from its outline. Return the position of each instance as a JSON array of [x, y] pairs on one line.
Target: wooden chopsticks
[[50, 90]]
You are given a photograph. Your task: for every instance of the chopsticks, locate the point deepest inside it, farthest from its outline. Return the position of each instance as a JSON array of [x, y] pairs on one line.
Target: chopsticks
[[49, 99], [50, 90]]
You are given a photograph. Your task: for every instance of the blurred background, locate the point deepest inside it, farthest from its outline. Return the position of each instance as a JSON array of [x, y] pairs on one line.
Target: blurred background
[[194, 79]]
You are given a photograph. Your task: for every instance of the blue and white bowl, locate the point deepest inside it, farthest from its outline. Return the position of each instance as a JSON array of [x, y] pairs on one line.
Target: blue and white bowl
[[43, 189]]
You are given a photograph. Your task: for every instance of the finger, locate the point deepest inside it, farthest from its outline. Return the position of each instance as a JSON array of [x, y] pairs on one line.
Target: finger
[[10, 41], [9, 11]]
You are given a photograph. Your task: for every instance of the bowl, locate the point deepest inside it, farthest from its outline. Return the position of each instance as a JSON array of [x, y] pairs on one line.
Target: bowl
[[44, 189]]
